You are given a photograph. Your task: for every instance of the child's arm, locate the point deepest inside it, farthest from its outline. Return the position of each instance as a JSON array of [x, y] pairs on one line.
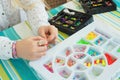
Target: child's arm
[[38, 19], [37, 15], [31, 48]]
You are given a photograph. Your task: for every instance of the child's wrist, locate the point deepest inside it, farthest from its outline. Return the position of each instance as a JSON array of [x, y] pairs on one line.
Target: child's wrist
[[14, 53]]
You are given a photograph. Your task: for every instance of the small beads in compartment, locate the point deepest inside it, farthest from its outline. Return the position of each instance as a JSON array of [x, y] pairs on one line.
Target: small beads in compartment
[[79, 76], [80, 67], [101, 40], [88, 62], [60, 61], [79, 48], [71, 62], [83, 41], [100, 61], [110, 58], [48, 66], [118, 50], [79, 56], [91, 36], [64, 72], [93, 52], [68, 51]]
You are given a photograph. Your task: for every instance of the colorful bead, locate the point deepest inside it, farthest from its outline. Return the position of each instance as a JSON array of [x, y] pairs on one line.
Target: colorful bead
[[100, 61], [60, 61], [88, 64], [91, 36], [48, 66], [68, 52], [118, 50], [71, 62]]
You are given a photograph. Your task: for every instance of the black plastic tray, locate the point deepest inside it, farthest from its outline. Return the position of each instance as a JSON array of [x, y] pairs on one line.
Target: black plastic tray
[[71, 23], [97, 6]]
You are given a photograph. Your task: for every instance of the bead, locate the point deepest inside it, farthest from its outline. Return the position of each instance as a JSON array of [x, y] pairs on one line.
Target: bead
[[91, 36]]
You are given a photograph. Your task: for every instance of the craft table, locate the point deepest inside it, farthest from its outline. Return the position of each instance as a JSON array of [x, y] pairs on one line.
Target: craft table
[[19, 69]]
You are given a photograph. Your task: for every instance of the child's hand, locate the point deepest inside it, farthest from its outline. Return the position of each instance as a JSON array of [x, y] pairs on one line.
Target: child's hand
[[49, 32], [31, 48]]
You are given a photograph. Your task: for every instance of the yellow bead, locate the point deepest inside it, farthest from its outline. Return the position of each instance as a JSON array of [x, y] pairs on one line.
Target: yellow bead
[[97, 61], [91, 36], [103, 63], [89, 64]]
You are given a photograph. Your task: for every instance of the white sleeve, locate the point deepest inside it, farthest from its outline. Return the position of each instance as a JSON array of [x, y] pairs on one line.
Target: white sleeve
[[5, 48], [37, 16]]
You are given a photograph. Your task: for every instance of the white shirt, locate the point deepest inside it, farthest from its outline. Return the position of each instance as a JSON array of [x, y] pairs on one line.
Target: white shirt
[[9, 16]]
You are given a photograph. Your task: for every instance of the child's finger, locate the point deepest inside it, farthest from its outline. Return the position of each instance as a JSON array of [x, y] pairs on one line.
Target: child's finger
[[42, 43], [37, 38], [43, 34]]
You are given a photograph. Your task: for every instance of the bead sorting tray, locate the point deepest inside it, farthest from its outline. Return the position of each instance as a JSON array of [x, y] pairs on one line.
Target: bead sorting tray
[[90, 54], [70, 21], [97, 6]]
